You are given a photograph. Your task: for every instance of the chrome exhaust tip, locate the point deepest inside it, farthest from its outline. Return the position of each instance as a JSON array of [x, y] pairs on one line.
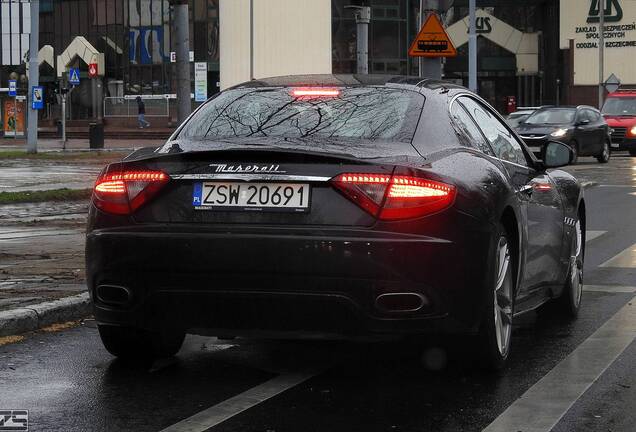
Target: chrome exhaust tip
[[114, 295], [400, 302]]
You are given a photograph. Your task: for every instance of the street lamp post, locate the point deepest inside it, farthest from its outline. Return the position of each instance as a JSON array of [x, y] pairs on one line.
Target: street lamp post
[[363, 18], [472, 47], [601, 52], [181, 27], [34, 77], [430, 67]]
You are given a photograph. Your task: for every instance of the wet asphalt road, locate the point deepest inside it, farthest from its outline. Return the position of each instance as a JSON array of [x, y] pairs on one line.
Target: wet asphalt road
[[68, 382], [18, 175]]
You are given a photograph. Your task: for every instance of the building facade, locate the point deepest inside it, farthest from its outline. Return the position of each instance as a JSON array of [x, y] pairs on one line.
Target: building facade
[[524, 48]]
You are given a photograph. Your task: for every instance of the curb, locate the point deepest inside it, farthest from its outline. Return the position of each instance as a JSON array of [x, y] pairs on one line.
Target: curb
[[34, 317]]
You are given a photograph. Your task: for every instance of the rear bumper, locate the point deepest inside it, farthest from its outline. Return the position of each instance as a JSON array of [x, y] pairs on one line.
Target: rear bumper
[[278, 279]]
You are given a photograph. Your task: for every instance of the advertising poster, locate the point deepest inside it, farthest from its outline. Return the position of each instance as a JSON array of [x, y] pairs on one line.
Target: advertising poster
[[13, 122]]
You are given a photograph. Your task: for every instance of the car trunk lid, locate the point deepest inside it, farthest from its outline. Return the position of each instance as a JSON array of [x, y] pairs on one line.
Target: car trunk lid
[[257, 173]]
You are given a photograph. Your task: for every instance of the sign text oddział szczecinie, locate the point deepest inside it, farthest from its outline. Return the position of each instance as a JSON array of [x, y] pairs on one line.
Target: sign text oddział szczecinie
[[616, 36]]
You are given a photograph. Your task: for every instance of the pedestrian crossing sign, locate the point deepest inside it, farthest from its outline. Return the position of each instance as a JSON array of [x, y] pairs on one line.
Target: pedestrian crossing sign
[[74, 76]]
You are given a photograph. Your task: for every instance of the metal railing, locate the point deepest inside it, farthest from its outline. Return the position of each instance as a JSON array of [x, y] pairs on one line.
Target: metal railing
[[126, 106]]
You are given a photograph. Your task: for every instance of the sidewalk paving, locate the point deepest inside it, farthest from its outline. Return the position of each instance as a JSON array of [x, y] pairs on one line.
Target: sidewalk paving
[[41, 261], [38, 174], [81, 144], [42, 244]]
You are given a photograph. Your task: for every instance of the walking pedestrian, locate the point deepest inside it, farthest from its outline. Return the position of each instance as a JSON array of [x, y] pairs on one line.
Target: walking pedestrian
[[141, 113]]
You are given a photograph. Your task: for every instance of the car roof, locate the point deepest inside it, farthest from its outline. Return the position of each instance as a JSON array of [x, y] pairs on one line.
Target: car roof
[[352, 80], [570, 107], [622, 94]]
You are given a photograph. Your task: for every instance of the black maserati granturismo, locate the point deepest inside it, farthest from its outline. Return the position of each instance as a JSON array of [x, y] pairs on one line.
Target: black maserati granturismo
[[338, 206]]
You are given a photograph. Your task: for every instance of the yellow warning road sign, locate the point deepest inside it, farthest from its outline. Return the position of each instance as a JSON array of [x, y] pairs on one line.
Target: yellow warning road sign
[[432, 40]]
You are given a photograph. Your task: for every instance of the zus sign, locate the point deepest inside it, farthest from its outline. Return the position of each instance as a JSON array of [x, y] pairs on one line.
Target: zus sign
[[613, 11], [482, 25]]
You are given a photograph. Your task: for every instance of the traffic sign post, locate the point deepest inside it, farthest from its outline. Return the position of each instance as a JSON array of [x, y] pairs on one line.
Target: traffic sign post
[[612, 83], [34, 78], [13, 88], [93, 70], [200, 81], [432, 41], [37, 97], [13, 92], [74, 76]]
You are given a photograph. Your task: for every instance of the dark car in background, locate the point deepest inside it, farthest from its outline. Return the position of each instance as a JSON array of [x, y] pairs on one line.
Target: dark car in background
[[583, 128], [335, 206], [520, 115]]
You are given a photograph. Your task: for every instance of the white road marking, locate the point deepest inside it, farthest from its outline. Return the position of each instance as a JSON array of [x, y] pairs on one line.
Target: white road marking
[[625, 259], [229, 408], [591, 235], [610, 288], [541, 407]]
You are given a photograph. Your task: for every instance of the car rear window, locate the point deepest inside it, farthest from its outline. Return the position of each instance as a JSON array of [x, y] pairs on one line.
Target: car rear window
[[369, 113]]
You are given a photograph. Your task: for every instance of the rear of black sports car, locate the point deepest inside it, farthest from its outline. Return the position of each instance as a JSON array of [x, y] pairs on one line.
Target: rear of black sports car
[[260, 231]]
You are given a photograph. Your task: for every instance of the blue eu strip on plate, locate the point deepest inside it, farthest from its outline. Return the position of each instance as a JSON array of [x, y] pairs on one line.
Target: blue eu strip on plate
[[197, 195]]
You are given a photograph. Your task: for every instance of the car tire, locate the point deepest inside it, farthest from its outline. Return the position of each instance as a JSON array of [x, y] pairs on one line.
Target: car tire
[[570, 299], [495, 334], [138, 345], [575, 148], [606, 153]]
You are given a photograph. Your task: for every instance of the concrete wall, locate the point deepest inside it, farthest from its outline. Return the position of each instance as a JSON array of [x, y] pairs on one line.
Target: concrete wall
[[290, 37], [620, 33]]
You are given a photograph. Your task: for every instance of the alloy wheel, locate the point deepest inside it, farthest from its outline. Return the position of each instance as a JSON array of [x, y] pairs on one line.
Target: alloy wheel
[[503, 298], [576, 272], [605, 155]]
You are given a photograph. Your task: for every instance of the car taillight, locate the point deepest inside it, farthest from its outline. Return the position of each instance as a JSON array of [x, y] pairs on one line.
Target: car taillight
[[395, 197], [123, 192]]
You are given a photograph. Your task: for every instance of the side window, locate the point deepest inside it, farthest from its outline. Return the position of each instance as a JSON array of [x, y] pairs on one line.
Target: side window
[[593, 116], [582, 116], [469, 128], [504, 144]]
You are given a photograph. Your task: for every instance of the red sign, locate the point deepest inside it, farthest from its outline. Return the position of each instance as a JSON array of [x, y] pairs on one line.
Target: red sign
[[92, 70]]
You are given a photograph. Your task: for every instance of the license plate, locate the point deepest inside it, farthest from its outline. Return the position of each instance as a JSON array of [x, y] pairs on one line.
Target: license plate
[[615, 145], [535, 149], [285, 197]]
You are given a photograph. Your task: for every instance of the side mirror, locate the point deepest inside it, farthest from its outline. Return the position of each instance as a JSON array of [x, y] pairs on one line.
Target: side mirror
[[556, 154], [583, 122]]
